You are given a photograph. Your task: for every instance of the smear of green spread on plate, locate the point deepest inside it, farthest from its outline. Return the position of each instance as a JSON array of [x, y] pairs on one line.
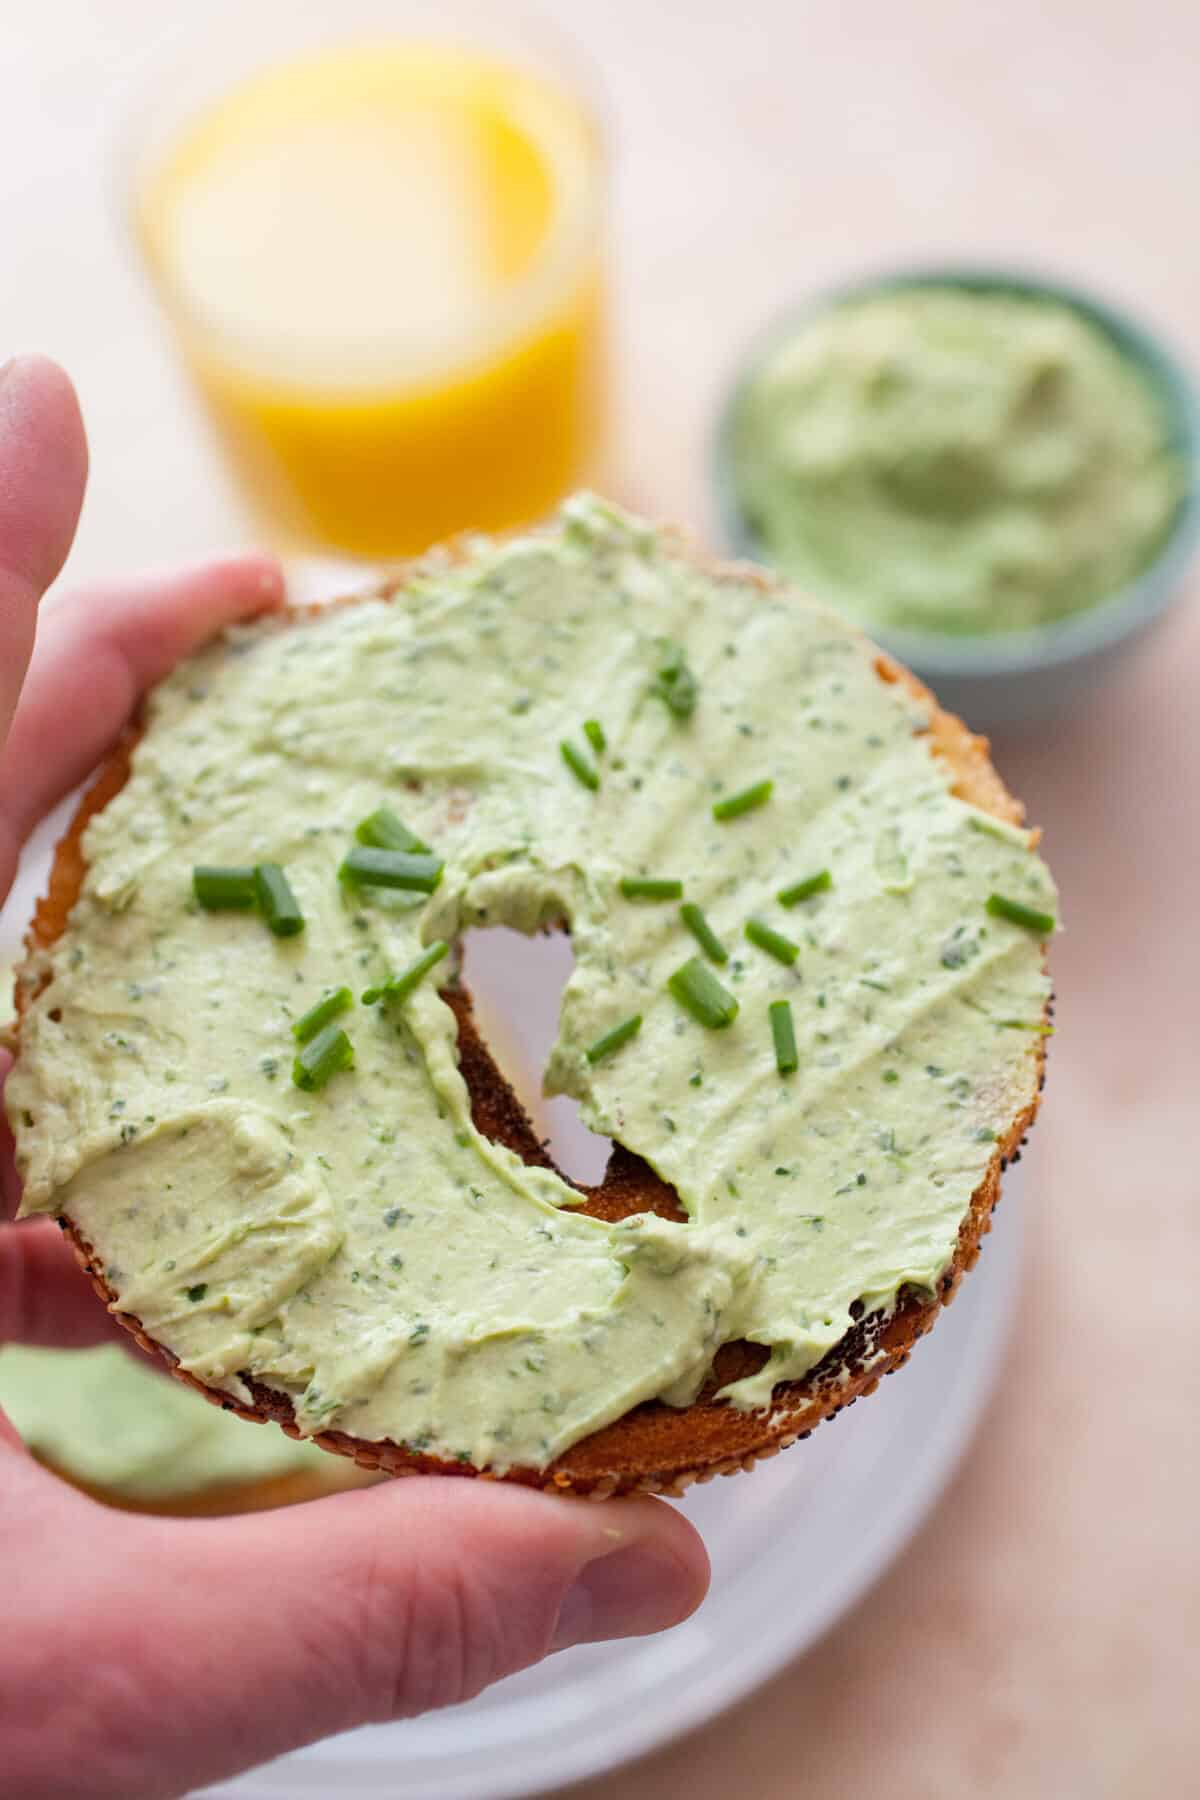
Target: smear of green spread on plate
[[107, 1418], [363, 1248], [950, 460]]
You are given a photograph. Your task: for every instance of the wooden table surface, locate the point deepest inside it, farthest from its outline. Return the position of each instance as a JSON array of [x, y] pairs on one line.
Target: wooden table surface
[[1039, 1640]]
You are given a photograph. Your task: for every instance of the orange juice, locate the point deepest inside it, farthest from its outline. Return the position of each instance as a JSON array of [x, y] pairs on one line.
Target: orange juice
[[382, 260]]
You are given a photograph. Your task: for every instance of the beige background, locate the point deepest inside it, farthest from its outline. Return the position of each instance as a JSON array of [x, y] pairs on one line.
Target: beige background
[[1040, 1638]]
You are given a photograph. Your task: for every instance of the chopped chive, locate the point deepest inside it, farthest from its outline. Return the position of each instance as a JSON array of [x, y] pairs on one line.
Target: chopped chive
[[1016, 914], [697, 990], [197, 1293], [399, 987], [674, 682], [219, 888], [703, 933], [579, 765], [593, 731], [309, 1023], [322, 1057], [276, 901], [650, 887], [1003, 829], [773, 942], [382, 830], [612, 1040], [804, 890], [784, 1034], [734, 805], [366, 866]]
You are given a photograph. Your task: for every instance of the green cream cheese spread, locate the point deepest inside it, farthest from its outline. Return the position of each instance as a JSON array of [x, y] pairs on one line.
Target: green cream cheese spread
[[939, 459], [362, 1247], [109, 1419]]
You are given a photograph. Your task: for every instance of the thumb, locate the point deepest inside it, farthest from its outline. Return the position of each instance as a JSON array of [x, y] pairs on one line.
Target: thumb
[[196, 1648], [43, 468]]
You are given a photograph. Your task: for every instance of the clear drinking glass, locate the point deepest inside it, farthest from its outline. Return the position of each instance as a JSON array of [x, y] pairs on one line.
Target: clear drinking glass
[[377, 232]]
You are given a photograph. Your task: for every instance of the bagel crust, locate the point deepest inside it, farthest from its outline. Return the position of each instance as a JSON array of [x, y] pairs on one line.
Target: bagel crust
[[654, 1448]]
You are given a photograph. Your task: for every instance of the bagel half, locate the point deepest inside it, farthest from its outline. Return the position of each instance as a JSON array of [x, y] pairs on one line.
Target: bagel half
[[655, 1448]]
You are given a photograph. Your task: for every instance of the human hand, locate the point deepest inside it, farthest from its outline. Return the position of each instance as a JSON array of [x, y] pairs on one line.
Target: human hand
[[143, 1656]]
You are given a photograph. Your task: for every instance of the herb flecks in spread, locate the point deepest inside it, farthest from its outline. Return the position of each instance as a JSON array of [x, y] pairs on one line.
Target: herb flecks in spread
[[954, 460], [363, 1248]]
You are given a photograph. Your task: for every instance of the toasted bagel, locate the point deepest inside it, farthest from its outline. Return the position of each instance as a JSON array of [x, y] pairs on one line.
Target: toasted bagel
[[654, 1448]]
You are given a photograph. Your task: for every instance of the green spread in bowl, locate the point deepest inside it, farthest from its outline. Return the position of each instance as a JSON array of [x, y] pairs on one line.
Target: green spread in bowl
[[955, 458]]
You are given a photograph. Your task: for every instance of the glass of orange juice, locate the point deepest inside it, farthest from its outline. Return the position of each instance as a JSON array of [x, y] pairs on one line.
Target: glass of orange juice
[[377, 234]]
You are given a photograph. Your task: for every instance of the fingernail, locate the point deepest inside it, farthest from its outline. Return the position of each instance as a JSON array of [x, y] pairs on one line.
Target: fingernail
[[6, 369], [625, 1594]]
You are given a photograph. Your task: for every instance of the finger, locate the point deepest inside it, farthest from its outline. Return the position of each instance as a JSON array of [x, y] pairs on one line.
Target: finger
[[43, 468], [96, 654], [10, 1183], [200, 1647], [45, 1297], [8, 1436]]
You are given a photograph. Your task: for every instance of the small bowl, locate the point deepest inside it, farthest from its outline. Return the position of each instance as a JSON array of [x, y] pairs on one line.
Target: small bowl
[[1010, 678]]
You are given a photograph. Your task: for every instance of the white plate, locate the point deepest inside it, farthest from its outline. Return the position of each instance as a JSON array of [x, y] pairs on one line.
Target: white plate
[[794, 1545]]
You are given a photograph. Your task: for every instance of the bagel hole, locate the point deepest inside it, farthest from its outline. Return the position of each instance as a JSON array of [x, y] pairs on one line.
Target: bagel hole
[[516, 985]]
